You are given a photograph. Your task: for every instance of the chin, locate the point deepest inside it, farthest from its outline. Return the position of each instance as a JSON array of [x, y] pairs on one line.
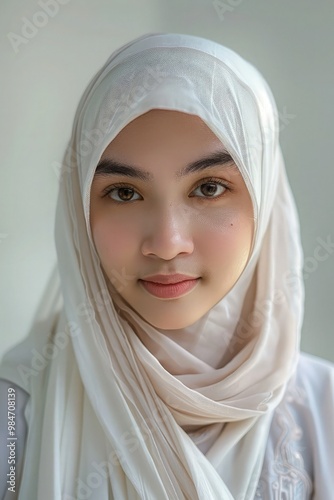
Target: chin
[[172, 324]]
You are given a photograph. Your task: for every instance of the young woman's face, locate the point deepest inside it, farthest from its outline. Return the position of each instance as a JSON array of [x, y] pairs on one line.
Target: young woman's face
[[151, 218]]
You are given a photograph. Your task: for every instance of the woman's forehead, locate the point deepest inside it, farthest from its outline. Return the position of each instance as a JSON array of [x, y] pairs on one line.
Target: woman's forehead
[[158, 127]]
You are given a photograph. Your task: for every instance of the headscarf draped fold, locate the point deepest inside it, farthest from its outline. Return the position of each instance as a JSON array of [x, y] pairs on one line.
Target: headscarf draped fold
[[123, 410]]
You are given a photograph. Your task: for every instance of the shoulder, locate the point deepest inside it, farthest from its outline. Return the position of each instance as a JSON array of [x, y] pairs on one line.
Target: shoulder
[[310, 396], [314, 380], [312, 371], [300, 447]]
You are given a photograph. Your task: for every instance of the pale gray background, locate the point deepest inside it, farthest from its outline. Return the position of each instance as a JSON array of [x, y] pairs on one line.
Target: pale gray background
[[291, 43]]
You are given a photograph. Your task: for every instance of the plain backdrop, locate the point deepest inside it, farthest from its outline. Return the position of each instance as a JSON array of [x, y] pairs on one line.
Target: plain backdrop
[[51, 49]]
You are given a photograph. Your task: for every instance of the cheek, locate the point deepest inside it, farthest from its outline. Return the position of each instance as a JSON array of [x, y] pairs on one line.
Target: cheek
[[227, 238], [113, 239]]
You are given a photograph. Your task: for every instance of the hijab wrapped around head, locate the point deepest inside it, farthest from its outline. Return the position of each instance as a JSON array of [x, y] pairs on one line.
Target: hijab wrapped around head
[[116, 417]]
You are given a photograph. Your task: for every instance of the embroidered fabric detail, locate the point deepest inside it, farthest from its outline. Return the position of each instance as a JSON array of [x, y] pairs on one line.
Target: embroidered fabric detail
[[284, 476]]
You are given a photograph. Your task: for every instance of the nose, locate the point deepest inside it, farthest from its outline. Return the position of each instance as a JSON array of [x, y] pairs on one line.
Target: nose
[[168, 234]]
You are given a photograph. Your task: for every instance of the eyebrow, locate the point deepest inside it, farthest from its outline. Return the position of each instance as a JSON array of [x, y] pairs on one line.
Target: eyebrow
[[108, 166]]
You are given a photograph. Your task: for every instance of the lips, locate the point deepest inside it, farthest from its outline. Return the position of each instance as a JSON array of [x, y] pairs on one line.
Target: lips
[[169, 286], [168, 279]]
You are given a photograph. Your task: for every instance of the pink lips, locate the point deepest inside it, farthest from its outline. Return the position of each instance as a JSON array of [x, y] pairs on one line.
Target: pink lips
[[169, 286]]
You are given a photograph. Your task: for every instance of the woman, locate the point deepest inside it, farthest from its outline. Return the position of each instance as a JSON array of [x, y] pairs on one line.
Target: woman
[[173, 370]]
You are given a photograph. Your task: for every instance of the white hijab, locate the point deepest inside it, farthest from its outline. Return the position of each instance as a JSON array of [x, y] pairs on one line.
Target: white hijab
[[122, 409]]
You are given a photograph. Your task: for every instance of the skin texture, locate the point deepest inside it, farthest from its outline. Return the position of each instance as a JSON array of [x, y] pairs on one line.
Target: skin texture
[[187, 225]]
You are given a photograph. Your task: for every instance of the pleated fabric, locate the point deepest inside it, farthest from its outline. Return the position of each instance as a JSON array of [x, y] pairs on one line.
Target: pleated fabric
[[121, 409]]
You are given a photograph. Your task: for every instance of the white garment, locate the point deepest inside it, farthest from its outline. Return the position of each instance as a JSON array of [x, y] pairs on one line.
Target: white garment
[[299, 458], [105, 396]]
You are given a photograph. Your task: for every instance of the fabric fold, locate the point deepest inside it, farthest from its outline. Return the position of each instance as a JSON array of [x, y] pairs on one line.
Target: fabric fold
[[128, 410]]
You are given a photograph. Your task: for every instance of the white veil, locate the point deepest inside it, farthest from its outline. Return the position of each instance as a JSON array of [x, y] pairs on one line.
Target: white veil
[[106, 418]]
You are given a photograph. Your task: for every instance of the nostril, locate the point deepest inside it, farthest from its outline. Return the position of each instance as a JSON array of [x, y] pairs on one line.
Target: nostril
[[167, 246]]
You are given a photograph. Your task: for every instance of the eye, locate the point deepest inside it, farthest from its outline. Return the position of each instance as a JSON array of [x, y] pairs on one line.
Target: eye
[[121, 193], [212, 188]]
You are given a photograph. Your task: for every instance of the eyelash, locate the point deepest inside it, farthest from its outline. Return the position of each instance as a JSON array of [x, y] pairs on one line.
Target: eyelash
[[211, 180]]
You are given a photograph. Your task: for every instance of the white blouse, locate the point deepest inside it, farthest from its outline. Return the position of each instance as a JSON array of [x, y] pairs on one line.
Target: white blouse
[[299, 458]]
